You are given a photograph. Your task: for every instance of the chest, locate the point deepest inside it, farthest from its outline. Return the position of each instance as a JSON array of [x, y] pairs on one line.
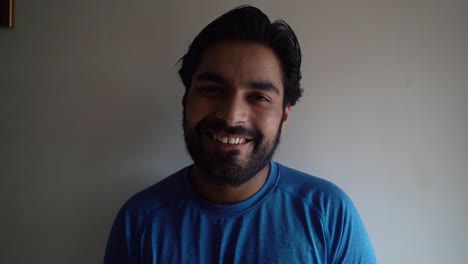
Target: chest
[[262, 235]]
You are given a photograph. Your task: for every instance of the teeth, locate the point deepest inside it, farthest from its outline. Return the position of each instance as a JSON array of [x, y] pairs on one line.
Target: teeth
[[227, 140]]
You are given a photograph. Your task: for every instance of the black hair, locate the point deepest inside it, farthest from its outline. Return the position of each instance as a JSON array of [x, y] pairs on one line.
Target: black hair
[[248, 23]]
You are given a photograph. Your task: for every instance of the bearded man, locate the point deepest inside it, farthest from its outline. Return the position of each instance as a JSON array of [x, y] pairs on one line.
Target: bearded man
[[234, 204]]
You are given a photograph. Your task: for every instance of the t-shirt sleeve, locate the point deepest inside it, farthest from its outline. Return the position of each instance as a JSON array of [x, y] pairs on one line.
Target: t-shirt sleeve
[[123, 239], [348, 238]]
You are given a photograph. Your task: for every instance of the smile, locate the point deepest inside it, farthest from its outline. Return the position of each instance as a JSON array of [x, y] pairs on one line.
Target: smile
[[229, 140]]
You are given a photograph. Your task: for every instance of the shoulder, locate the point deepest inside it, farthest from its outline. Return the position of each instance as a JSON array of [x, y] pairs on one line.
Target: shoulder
[[317, 192], [124, 240], [157, 196], [347, 239]]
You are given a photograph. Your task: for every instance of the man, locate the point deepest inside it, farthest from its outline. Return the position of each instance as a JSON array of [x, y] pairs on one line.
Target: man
[[234, 204]]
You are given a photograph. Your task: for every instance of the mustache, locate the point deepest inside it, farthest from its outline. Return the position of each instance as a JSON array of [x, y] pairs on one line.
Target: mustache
[[221, 127]]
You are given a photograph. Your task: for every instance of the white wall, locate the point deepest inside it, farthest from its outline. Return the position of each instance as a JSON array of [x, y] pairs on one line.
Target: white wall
[[90, 113]]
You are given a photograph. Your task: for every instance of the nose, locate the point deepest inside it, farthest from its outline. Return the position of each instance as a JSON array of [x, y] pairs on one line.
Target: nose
[[233, 110]]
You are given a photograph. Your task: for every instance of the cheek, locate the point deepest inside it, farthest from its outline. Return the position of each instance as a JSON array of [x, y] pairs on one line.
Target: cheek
[[195, 110], [268, 123]]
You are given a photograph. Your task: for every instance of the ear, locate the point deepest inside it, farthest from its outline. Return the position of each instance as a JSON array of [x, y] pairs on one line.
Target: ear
[[287, 109]]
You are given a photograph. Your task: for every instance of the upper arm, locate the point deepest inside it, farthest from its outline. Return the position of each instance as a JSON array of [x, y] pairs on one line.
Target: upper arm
[[347, 235], [122, 244]]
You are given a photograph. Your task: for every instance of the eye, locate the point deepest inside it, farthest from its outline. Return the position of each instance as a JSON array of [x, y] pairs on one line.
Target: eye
[[260, 98]]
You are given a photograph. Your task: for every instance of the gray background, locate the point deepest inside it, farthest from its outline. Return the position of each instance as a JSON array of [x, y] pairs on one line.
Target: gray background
[[90, 113]]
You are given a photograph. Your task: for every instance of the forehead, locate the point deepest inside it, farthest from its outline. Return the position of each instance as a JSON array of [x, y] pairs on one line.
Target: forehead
[[240, 62]]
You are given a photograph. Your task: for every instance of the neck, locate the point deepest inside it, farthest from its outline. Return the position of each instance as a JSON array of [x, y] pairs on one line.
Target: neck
[[218, 194]]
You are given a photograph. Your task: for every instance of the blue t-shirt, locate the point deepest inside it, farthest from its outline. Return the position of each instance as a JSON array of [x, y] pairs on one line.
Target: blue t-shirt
[[293, 218]]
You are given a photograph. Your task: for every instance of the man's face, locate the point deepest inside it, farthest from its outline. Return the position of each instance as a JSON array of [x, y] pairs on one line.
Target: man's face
[[233, 112]]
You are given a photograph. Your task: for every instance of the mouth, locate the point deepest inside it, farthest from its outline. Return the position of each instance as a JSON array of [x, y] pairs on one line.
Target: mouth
[[229, 139]]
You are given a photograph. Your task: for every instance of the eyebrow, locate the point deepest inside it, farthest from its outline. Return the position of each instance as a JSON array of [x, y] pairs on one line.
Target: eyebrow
[[211, 77], [256, 85], [265, 86]]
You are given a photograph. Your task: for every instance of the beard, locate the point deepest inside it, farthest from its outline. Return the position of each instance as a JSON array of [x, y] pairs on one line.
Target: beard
[[226, 168]]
